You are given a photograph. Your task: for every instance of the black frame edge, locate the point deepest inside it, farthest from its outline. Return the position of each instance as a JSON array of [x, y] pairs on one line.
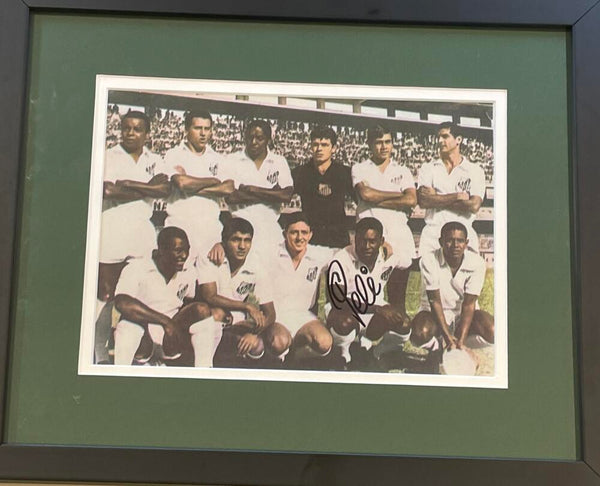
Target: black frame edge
[[532, 12], [586, 75], [152, 465], [14, 42]]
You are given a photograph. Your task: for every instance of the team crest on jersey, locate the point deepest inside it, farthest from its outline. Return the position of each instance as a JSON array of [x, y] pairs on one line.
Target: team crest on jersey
[[273, 177], [465, 185], [324, 190], [182, 291], [245, 288], [386, 274], [311, 275], [213, 170], [150, 169], [396, 180]]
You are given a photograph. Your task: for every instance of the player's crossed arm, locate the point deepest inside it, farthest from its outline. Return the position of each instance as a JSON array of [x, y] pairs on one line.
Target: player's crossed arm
[[128, 190], [405, 200]]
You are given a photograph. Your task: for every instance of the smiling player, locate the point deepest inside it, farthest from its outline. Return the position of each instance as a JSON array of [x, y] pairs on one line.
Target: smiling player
[[153, 296], [297, 270]]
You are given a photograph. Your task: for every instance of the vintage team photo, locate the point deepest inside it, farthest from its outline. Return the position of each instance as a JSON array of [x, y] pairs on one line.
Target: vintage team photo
[[279, 231]]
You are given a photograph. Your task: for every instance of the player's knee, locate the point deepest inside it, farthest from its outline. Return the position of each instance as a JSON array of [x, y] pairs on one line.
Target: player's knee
[[279, 342], [201, 310], [342, 322], [218, 314], [484, 324], [323, 342], [423, 328]]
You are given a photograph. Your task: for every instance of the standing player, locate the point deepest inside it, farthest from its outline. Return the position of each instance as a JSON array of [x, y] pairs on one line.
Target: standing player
[[386, 191], [357, 279], [452, 279], [263, 182], [297, 270], [133, 178], [152, 296], [198, 173], [451, 188], [240, 287], [323, 186]]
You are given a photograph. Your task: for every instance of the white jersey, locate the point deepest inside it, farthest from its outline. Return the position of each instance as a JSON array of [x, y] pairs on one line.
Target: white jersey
[[347, 261], [142, 280], [250, 283], [296, 288], [436, 274], [274, 171], [465, 177], [181, 160], [126, 228], [395, 178], [120, 165]]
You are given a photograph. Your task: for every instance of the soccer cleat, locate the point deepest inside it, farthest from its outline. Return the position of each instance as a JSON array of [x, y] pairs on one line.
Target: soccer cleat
[[390, 342], [362, 359]]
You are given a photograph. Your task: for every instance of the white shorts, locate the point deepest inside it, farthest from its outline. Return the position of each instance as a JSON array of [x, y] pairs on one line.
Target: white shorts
[[401, 238], [294, 320], [202, 236], [430, 237], [122, 239], [267, 234]]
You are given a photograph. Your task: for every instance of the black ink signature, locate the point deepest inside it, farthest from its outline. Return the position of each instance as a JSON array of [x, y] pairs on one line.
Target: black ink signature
[[360, 299]]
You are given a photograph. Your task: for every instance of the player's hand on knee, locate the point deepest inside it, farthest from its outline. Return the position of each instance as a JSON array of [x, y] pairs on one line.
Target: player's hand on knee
[[247, 343], [257, 316], [173, 336]]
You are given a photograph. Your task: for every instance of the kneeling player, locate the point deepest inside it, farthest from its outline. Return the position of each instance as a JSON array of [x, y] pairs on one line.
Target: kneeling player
[[153, 297], [297, 269], [357, 279], [452, 279], [240, 288]]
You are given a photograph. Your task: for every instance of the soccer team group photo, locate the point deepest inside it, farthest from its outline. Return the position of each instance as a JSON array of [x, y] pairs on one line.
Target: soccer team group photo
[[293, 231]]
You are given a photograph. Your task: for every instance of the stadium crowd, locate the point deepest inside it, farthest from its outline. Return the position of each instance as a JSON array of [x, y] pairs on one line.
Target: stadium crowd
[[291, 139]]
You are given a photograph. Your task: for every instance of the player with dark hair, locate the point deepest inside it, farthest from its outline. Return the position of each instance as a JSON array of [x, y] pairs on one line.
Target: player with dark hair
[[386, 191], [240, 288], [297, 269], [323, 186], [357, 280], [263, 182], [159, 321], [452, 279], [451, 188], [199, 176], [133, 179]]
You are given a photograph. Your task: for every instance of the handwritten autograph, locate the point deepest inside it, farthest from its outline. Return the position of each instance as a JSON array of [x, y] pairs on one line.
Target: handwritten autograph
[[358, 300]]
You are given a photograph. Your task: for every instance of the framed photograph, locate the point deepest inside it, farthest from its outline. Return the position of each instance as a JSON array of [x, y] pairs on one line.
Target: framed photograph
[[374, 139], [443, 327]]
